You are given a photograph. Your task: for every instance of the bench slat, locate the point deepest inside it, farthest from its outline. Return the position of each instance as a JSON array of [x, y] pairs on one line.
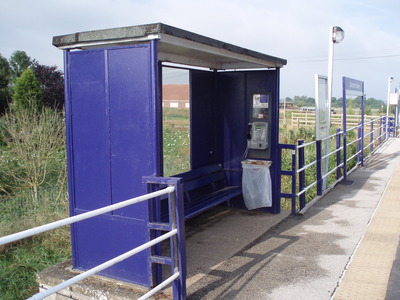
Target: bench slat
[[211, 200], [205, 188], [203, 181], [196, 173]]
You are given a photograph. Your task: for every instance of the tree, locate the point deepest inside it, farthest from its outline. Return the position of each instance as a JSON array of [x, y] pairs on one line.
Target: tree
[[52, 84], [350, 106], [5, 72], [5, 77], [33, 154], [27, 91], [19, 62]]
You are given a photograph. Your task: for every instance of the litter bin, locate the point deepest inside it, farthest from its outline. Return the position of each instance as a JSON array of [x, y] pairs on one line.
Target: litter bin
[[256, 183]]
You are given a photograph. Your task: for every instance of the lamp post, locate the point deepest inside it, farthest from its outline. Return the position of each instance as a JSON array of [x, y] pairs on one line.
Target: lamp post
[[336, 35], [387, 108]]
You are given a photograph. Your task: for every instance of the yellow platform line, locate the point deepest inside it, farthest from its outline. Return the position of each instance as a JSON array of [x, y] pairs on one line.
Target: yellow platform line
[[367, 275]]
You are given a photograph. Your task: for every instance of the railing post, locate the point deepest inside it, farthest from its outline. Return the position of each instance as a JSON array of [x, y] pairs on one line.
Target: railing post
[[344, 155], [179, 285], [359, 145], [302, 174], [386, 129], [380, 131], [319, 167], [371, 139], [294, 181], [338, 173]]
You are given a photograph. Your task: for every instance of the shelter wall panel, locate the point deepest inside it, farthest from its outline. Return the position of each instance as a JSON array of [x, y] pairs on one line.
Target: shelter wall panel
[[122, 240], [206, 137], [232, 110], [89, 136], [132, 122]]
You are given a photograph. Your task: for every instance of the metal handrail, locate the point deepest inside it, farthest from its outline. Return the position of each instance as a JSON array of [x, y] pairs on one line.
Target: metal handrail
[[306, 144], [67, 221], [340, 164], [105, 265]]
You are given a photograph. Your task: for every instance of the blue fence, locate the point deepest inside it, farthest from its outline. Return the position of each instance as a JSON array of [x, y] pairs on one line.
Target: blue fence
[[341, 153]]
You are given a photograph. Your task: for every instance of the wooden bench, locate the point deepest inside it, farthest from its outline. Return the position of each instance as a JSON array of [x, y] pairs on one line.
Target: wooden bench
[[205, 188]]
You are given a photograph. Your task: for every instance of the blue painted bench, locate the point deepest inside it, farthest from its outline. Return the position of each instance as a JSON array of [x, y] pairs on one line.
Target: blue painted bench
[[205, 188]]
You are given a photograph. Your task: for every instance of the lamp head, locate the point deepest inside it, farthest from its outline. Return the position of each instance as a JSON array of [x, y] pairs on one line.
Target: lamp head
[[337, 34]]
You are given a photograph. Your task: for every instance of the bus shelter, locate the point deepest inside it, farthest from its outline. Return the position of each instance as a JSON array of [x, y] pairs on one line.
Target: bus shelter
[[113, 85]]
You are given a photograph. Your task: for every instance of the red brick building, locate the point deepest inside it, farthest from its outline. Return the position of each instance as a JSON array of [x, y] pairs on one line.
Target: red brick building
[[175, 95]]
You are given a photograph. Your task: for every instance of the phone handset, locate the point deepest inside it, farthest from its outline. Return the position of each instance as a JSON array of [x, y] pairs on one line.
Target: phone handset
[[257, 137]]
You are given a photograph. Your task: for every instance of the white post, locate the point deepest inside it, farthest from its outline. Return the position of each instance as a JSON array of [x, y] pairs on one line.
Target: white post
[[325, 165], [387, 107], [284, 110], [330, 71]]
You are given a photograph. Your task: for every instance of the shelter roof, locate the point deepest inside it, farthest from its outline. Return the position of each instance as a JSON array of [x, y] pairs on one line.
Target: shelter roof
[[175, 45]]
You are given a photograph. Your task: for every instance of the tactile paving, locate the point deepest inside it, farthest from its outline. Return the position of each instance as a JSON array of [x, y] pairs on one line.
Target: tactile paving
[[368, 273]]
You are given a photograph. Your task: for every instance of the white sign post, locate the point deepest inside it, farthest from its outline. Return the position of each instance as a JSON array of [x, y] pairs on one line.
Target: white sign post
[[322, 119]]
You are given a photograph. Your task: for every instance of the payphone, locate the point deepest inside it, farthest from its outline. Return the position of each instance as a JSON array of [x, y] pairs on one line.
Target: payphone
[[256, 179], [258, 138]]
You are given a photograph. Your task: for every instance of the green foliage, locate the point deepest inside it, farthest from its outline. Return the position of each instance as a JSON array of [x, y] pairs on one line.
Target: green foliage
[[34, 152], [19, 62], [52, 84], [5, 78], [5, 72], [32, 193], [176, 141], [350, 108], [27, 92], [20, 263], [301, 101]]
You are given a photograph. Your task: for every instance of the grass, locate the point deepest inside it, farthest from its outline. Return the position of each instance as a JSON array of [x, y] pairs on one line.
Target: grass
[[20, 262], [32, 193], [176, 141]]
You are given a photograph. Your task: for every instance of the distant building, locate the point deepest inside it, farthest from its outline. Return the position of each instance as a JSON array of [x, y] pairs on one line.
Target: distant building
[[175, 96]]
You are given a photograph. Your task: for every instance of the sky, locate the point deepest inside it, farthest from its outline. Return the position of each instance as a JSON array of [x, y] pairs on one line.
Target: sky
[[291, 29]]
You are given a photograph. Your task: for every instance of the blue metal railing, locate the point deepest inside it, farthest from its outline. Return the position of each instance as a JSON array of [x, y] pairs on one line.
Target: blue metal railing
[[174, 232], [366, 144]]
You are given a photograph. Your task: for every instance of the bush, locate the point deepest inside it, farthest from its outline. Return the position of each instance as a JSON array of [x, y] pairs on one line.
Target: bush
[[32, 193], [33, 153], [27, 91]]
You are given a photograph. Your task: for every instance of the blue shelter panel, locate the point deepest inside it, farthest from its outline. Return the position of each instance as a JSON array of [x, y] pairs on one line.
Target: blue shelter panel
[[133, 114], [113, 141], [206, 140], [89, 136], [264, 82], [233, 117], [268, 82], [122, 240]]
